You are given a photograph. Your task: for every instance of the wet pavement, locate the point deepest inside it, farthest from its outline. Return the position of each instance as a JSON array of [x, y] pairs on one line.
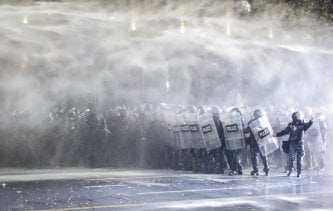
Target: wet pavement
[[109, 189]]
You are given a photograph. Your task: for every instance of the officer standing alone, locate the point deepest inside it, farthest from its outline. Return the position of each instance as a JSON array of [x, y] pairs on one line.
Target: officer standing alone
[[296, 130]]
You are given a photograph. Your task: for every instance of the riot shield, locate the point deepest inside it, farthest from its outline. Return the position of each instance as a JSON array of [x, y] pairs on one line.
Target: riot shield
[[209, 131], [196, 135], [179, 140], [233, 131], [313, 138], [263, 134], [176, 137], [185, 132]]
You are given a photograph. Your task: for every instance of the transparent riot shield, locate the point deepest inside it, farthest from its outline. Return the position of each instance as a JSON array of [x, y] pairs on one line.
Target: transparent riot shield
[[233, 131], [185, 132], [176, 137], [179, 141], [196, 135], [263, 134], [209, 131], [313, 138]]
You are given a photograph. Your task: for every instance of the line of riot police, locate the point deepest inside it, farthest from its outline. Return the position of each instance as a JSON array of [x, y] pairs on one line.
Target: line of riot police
[[208, 139], [214, 140]]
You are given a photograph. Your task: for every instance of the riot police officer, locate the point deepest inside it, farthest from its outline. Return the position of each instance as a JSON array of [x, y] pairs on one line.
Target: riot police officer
[[219, 154], [233, 125], [254, 148], [296, 130]]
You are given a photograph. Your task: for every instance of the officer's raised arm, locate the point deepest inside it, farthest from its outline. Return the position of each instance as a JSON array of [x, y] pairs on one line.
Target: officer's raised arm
[[283, 132], [308, 124]]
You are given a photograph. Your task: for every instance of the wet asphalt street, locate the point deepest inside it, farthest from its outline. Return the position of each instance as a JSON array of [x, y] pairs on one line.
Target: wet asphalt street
[[109, 189]]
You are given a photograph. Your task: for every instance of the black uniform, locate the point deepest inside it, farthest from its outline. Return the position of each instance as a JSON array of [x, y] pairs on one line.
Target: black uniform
[[296, 130]]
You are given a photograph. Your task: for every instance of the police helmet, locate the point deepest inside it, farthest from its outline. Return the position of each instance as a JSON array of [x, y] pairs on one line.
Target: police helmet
[[191, 108], [259, 113], [215, 111], [298, 116], [235, 110]]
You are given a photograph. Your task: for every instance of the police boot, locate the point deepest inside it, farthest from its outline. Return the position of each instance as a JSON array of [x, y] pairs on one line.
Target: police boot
[[240, 170], [266, 170], [298, 174], [289, 173], [254, 173], [232, 173]]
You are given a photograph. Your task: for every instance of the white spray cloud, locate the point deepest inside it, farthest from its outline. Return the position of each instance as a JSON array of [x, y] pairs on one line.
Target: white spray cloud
[[205, 51]]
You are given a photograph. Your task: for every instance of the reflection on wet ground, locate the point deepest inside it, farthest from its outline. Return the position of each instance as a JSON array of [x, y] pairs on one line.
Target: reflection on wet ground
[[82, 189]]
